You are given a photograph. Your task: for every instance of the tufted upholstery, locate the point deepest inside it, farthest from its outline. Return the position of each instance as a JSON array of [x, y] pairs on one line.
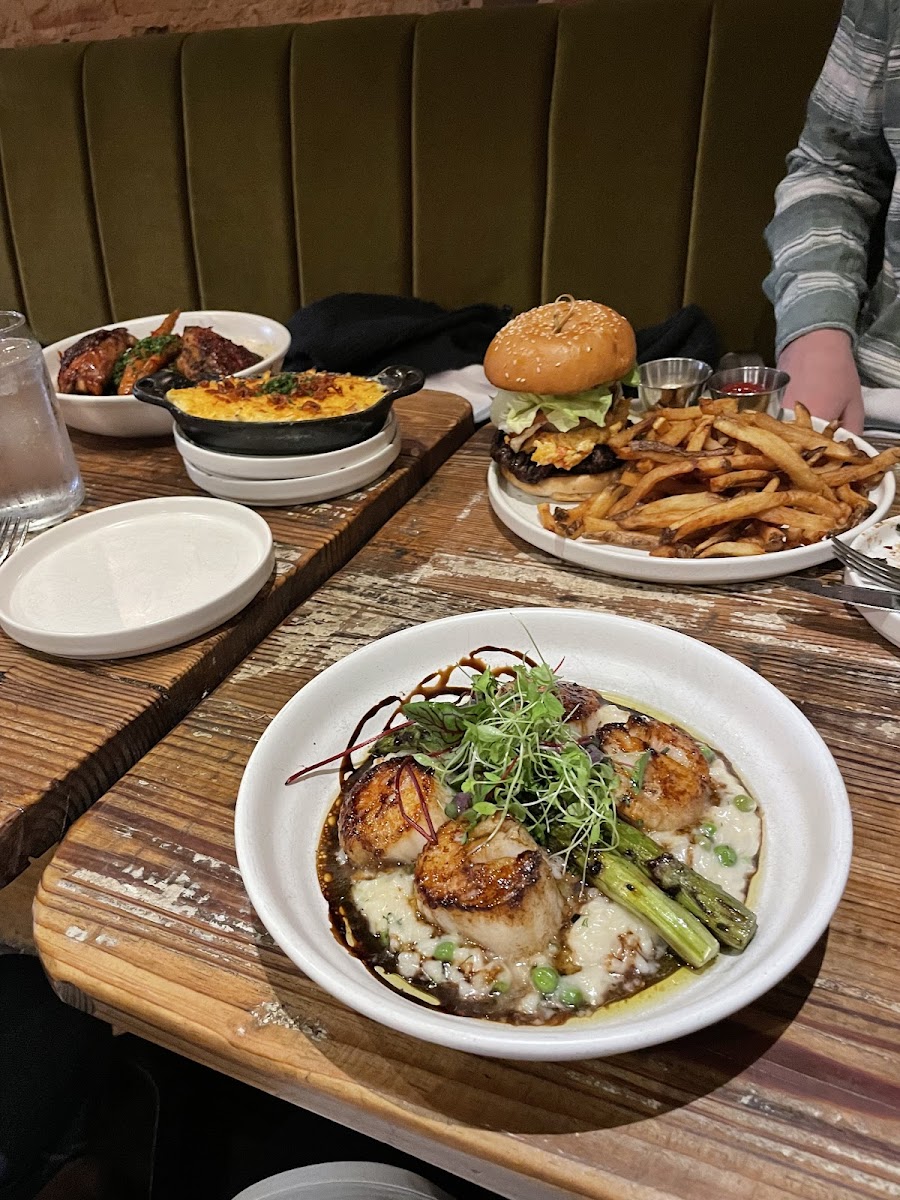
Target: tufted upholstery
[[625, 150]]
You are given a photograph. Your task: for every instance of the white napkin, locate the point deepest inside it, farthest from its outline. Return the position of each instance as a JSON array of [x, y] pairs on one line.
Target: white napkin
[[882, 407], [470, 383]]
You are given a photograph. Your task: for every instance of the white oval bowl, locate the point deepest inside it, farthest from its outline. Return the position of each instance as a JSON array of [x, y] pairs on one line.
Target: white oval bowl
[[135, 577], [295, 466], [274, 493], [124, 416], [776, 751]]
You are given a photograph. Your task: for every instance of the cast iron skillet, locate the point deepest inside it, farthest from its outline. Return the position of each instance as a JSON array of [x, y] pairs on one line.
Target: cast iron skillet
[[281, 437]]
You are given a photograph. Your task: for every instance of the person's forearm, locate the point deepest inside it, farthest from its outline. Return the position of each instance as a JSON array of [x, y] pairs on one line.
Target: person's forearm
[[839, 180]]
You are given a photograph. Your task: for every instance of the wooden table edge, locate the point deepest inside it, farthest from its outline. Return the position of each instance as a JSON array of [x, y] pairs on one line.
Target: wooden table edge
[[530, 1173]]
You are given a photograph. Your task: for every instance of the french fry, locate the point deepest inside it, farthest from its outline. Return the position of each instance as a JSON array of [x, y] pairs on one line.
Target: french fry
[[775, 448], [675, 434], [622, 537], [836, 476], [725, 533], [698, 436], [798, 435], [735, 509], [727, 405], [629, 433], [801, 416], [649, 481], [731, 550], [795, 518], [730, 479], [810, 502], [670, 511]]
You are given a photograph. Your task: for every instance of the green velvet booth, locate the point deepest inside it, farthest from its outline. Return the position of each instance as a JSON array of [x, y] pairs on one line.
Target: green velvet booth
[[625, 150]]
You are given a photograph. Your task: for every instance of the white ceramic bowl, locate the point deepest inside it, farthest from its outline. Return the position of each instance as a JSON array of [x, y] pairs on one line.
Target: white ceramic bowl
[[124, 416], [275, 493], [295, 466], [776, 751]]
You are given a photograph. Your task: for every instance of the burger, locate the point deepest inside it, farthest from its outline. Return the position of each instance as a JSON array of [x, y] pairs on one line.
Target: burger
[[560, 369]]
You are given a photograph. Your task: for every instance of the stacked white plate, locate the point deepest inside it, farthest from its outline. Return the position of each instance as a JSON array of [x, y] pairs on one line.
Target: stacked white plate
[[270, 482]]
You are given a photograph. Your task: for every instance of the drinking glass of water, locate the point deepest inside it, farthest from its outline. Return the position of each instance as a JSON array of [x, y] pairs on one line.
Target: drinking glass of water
[[39, 478]]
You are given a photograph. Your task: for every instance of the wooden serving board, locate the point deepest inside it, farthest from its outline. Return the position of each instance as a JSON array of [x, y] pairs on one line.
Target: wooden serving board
[[69, 729], [142, 918]]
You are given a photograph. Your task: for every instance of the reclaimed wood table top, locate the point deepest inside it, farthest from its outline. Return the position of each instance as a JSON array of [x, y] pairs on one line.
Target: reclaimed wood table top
[[69, 729], [142, 918]]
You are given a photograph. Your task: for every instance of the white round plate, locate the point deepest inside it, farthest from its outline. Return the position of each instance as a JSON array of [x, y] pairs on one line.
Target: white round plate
[[270, 493], [519, 512], [778, 754], [881, 541], [134, 577], [124, 416], [297, 466]]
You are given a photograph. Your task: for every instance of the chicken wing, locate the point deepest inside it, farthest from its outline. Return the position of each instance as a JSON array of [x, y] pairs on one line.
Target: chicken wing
[[206, 354], [86, 368]]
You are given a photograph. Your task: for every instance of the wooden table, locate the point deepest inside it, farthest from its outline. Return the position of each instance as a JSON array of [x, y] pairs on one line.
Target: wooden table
[[69, 730], [141, 916]]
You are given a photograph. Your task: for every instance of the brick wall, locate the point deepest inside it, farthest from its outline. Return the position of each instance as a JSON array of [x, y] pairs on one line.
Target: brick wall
[[25, 22]]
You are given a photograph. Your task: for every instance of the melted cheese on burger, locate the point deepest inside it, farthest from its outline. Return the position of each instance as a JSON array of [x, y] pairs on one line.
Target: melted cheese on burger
[[549, 447]]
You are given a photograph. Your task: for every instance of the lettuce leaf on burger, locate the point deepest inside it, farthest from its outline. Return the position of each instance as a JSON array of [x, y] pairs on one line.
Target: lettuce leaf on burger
[[560, 368]]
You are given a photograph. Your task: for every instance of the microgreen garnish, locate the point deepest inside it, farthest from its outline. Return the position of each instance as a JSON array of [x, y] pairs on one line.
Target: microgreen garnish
[[283, 383], [640, 770], [510, 750]]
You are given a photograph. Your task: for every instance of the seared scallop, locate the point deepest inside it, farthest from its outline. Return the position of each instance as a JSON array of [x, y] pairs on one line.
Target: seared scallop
[[390, 811], [582, 707], [663, 779], [493, 887]]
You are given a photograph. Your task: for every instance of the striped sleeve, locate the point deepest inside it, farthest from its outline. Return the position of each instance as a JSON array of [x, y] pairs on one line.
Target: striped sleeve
[[838, 180]]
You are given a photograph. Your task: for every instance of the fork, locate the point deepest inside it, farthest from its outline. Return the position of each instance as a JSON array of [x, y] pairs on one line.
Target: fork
[[872, 568], [12, 535]]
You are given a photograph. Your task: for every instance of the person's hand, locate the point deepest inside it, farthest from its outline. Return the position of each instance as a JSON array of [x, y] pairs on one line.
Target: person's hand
[[824, 377]]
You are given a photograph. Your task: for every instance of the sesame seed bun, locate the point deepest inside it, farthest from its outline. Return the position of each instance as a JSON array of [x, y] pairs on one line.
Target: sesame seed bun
[[561, 348]]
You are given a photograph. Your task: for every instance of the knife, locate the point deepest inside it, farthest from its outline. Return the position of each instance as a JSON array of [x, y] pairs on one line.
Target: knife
[[866, 597]]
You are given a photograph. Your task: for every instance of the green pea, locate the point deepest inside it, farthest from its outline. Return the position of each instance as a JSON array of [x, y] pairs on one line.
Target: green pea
[[707, 830], [444, 951], [707, 752], [726, 855], [744, 803], [570, 996], [545, 979], [499, 987]]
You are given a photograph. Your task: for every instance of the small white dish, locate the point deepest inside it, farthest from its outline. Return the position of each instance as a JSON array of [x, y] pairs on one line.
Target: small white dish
[[295, 466], [880, 541], [135, 577], [344, 1181], [519, 512], [807, 831], [124, 416], [274, 493]]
